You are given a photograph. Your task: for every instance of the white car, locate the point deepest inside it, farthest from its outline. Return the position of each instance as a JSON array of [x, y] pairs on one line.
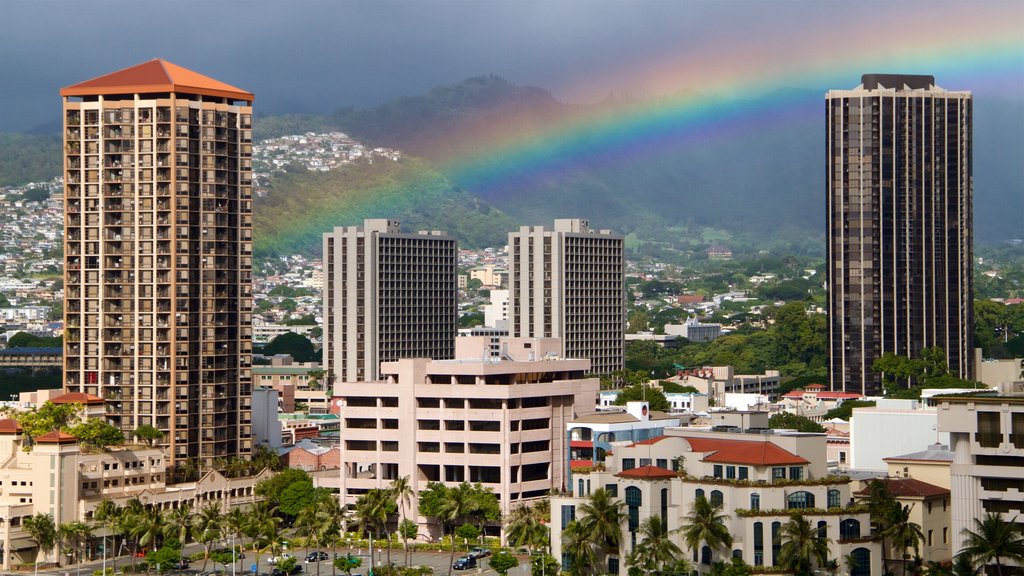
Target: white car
[[276, 559]]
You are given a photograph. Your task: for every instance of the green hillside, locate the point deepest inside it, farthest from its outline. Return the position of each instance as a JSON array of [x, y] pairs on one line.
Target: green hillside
[[300, 206], [28, 158]]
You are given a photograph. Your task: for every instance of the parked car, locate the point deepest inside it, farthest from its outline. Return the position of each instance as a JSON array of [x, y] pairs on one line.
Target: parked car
[[276, 559], [464, 563], [181, 565], [317, 556], [479, 552], [297, 569]]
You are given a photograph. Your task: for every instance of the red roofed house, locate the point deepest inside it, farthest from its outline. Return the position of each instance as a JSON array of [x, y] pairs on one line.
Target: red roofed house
[[931, 509], [92, 406], [813, 401], [768, 475]]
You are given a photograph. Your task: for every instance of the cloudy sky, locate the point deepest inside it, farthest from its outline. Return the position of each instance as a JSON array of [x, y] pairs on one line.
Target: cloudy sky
[[316, 56]]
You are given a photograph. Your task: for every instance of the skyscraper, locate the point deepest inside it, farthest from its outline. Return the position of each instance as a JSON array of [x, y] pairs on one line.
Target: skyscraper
[[387, 296], [899, 214], [568, 283], [158, 254]]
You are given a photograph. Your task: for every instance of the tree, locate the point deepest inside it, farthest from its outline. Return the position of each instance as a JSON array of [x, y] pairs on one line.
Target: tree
[[42, 532], [149, 528], [106, 515], [964, 565], [601, 516], [295, 497], [706, 525], [502, 562], [903, 533], [315, 521], [300, 348], [371, 512], [881, 507], [844, 411], [788, 420], [26, 340], [654, 549], [525, 527], [179, 525], [97, 433], [265, 458], [47, 418], [272, 488], [402, 492], [147, 434], [644, 393], [71, 535], [993, 540], [262, 525], [544, 565], [207, 528], [348, 563], [802, 548], [458, 505]]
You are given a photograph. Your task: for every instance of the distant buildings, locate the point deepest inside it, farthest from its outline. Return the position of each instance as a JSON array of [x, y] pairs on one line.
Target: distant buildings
[[387, 295], [158, 255], [695, 331], [899, 212], [568, 283]]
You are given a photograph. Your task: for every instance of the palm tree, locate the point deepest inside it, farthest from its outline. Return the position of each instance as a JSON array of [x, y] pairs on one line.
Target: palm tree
[[262, 525], [904, 533], [655, 549], [706, 525], [207, 528], [235, 521], [458, 505], [992, 540], [127, 522], [402, 492], [963, 565], [41, 530], [315, 522], [579, 545], [150, 528], [179, 526], [802, 548], [881, 508], [71, 534], [601, 516], [106, 515], [371, 512], [524, 527]]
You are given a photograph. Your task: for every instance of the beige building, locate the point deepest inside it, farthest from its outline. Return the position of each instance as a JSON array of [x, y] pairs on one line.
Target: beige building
[[498, 422], [930, 465], [929, 509], [60, 478], [387, 295], [758, 479], [568, 283], [488, 275], [293, 382], [986, 436], [158, 254]]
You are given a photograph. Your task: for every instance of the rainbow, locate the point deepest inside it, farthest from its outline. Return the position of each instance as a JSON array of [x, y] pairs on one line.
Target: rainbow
[[968, 46]]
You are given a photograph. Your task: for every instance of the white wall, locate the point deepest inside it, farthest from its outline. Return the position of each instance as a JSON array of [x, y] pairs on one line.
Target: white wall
[[891, 428]]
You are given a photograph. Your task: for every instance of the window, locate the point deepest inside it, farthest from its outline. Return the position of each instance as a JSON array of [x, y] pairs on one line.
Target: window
[[758, 542], [633, 501], [730, 472], [628, 463], [929, 507], [613, 565], [796, 473], [612, 489], [833, 498], [778, 473], [664, 509], [755, 501], [861, 562], [662, 463], [698, 493], [822, 530], [718, 470], [930, 537], [800, 500], [945, 534], [849, 529], [716, 498], [568, 515], [645, 462], [842, 457], [776, 542], [705, 556], [743, 473]]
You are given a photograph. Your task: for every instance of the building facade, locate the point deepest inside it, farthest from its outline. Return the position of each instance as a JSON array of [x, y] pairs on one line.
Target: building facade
[[900, 219], [387, 296], [986, 436], [568, 283], [498, 422], [758, 479], [158, 254]]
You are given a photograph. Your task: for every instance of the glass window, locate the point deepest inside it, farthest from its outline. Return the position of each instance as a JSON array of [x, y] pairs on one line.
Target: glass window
[[743, 473], [612, 489], [730, 472], [698, 493], [645, 462], [716, 498], [779, 473], [662, 463], [755, 501], [628, 463], [718, 470], [568, 514], [796, 473], [849, 528], [758, 541], [833, 499], [633, 501], [800, 500], [861, 562]]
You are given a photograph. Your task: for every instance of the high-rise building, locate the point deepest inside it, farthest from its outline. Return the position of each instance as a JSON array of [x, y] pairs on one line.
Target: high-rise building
[[899, 214], [567, 283], [158, 254], [387, 296]]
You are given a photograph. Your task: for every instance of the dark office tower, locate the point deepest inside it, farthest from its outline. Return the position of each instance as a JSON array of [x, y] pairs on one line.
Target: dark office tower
[[158, 255], [567, 282], [388, 295], [900, 226]]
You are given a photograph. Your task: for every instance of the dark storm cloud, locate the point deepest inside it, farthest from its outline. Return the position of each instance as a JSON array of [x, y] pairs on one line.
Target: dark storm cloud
[[320, 55]]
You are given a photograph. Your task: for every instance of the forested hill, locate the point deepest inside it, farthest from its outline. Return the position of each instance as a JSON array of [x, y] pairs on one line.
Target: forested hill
[[28, 158]]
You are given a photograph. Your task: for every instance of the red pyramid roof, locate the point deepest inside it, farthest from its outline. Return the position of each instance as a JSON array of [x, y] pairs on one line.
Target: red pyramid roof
[[9, 426], [56, 437], [758, 453], [647, 473], [156, 76], [77, 398]]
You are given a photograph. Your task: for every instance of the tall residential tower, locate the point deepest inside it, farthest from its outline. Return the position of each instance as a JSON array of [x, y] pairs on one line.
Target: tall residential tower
[[899, 214], [158, 254], [568, 283], [387, 296]]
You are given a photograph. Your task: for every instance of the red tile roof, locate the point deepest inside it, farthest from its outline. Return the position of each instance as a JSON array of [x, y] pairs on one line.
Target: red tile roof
[[822, 395], [649, 441], [815, 386], [580, 463], [755, 453], [9, 426], [56, 437], [647, 473], [910, 487], [156, 76], [77, 398], [581, 444]]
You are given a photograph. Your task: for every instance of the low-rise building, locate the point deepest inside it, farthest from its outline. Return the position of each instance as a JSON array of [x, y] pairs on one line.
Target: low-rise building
[[500, 422], [760, 480], [930, 465], [929, 508], [814, 401], [872, 436], [591, 435]]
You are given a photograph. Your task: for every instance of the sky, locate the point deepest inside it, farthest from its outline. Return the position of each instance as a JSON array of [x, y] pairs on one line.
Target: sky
[[317, 56]]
